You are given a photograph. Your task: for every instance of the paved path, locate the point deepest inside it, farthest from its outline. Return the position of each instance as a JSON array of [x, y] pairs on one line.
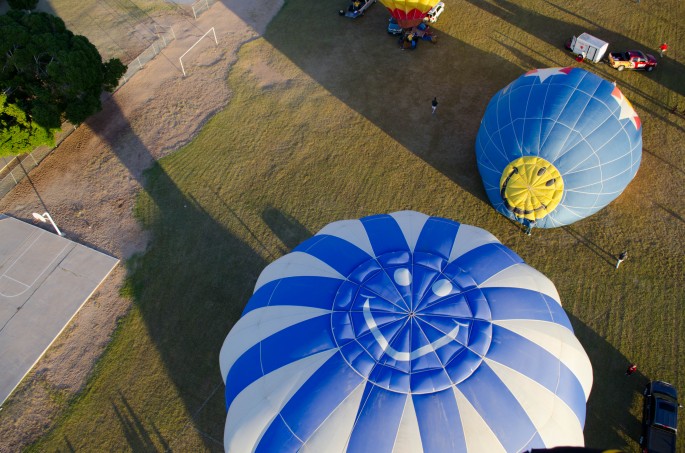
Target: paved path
[[44, 281]]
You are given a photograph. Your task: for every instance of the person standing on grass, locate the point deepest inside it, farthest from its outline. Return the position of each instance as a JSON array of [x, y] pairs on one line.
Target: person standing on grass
[[662, 49], [621, 258], [529, 227], [434, 105], [631, 369]]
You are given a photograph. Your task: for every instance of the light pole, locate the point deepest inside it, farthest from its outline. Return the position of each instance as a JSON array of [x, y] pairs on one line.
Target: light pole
[[44, 217]]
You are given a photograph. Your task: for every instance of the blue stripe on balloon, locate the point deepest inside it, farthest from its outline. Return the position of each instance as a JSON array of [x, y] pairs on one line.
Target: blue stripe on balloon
[[296, 342], [365, 271], [315, 400], [429, 260], [378, 420], [483, 262], [296, 291], [459, 368], [537, 442], [347, 293], [519, 303], [278, 438], [384, 233], [429, 380], [437, 237], [508, 348], [359, 358], [284, 347], [422, 280], [500, 410], [478, 304], [341, 255], [244, 372], [439, 422]]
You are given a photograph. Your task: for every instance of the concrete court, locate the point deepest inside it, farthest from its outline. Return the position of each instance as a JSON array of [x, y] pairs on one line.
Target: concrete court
[[44, 281]]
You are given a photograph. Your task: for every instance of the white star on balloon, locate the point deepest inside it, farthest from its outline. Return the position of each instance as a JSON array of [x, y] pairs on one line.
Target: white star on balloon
[[547, 72], [627, 110]]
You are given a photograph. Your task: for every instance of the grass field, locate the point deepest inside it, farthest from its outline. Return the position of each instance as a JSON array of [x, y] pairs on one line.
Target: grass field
[[341, 128]]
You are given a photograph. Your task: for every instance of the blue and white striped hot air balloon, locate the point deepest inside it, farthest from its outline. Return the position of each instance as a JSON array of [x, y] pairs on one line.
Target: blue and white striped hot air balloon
[[403, 333], [557, 145]]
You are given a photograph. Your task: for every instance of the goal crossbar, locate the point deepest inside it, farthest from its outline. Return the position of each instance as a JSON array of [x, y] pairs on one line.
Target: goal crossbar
[[180, 59]]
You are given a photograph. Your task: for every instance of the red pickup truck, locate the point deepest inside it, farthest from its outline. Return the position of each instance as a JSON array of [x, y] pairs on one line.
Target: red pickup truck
[[632, 59]]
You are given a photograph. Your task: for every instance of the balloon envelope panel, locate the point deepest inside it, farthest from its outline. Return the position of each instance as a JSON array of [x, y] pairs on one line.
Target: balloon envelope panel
[[409, 13], [406, 333], [572, 131]]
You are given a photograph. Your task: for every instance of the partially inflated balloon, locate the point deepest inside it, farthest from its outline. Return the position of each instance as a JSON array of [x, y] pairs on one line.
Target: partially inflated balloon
[[409, 13], [557, 145], [403, 333]]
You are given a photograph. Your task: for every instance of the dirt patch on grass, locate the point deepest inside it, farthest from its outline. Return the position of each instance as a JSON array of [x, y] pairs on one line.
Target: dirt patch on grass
[[89, 185]]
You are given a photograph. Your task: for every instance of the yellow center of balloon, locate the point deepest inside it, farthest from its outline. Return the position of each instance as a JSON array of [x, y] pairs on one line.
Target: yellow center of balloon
[[531, 187]]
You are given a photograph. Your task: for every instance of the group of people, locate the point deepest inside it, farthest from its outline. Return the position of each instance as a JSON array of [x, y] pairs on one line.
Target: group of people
[[410, 38]]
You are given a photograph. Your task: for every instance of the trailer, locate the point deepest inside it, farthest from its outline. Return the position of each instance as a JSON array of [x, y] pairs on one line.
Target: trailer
[[588, 47]]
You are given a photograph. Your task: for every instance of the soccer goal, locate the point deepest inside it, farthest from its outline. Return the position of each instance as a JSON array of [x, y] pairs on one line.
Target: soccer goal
[[180, 59], [199, 6]]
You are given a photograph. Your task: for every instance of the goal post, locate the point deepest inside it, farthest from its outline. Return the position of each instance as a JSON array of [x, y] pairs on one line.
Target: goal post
[[199, 6], [180, 59]]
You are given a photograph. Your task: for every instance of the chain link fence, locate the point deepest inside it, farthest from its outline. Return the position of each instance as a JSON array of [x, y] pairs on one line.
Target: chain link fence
[[164, 36], [14, 169]]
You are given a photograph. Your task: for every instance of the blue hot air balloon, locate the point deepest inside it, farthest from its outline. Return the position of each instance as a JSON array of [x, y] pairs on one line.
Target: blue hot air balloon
[[403, 333], [557, 145]]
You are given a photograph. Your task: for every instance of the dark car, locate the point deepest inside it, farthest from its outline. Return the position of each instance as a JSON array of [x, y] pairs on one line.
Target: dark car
[[659, 418]]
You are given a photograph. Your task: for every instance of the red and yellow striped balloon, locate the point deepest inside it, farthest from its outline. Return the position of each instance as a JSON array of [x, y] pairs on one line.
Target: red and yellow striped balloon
[[409, 13]]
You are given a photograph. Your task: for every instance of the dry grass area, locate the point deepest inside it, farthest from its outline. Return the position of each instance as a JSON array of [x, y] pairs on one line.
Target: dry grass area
[[330, 120]]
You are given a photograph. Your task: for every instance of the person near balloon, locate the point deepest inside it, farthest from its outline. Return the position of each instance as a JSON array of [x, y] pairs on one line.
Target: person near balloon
[[621, 258], [530, 224]]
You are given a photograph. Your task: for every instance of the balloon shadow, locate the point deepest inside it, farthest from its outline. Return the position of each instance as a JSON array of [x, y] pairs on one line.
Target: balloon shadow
[[609, 420], [359, 63], [288, 229]]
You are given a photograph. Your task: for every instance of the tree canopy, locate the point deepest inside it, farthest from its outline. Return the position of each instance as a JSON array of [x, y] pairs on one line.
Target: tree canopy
[[18, 135], [22, 4], [49, 74]]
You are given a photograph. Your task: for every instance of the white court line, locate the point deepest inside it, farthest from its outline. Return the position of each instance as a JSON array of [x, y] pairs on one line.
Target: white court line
[[13, 295], [41, 272]]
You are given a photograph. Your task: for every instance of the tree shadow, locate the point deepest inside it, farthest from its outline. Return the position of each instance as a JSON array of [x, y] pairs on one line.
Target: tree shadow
[[609, 420], [668, 74], [190, 287]]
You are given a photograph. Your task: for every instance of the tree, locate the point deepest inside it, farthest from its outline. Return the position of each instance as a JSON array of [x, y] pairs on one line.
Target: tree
[[49, 74], [22, 4], [18, 134]]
